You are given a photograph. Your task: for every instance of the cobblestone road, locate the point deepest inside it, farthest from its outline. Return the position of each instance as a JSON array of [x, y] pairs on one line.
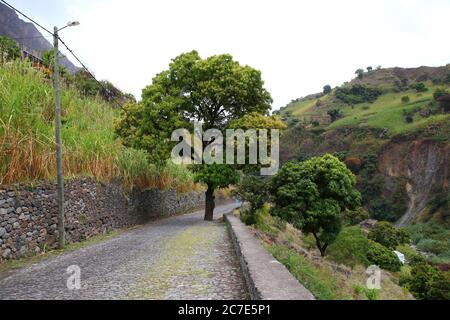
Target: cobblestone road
[[177, 258]]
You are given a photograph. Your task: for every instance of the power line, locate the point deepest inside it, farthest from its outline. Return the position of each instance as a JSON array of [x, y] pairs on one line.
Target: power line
[[87, 70], [73, 54], [40, 26]]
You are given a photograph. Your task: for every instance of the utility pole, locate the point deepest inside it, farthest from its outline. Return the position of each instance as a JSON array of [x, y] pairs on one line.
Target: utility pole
[[59, 163]]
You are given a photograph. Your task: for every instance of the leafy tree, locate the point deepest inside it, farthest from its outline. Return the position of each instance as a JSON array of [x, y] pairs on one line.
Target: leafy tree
[[327, 89], [360, 73], [9, 49], [213, 91], [383, 257], [312, 196], [369, 69], [254, 190], [387, 235], [215, 176]]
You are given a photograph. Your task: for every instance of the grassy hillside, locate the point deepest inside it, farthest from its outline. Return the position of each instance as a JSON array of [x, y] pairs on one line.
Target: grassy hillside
[[390, 129], [89, 145]]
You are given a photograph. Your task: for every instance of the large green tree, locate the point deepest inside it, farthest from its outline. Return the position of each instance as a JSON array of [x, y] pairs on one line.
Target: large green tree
[[9, 49], [312, 195], [212, 91]]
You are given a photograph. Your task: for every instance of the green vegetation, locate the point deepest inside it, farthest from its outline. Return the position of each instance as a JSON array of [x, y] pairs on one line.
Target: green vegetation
[[90, 146], [433, 239], [357, 94], [350, 247], [427, 283], [9, 50], [325, 279], [383, 257], [312, 196], [387, 235], [212, 91]]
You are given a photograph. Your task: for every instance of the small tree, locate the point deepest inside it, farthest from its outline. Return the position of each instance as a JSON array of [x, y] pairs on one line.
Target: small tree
[[360, 73], [312, 196], [327, 89], [369, 69], [9, 49]]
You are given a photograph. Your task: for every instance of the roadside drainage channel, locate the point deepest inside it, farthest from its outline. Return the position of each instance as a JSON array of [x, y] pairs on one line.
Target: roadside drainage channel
[[265, 277]]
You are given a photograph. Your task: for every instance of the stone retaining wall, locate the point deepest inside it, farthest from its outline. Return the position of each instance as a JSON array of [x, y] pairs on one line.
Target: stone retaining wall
[[28, 214]]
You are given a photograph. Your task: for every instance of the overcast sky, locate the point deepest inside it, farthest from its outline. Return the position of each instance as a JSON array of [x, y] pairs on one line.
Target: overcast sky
[[298, 45]]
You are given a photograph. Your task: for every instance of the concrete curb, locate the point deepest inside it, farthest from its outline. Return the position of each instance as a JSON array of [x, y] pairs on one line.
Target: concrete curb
[[266, 278]]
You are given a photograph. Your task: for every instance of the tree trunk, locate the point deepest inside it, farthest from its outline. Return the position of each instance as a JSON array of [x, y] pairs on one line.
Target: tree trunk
[[321, 248], [210, 204]]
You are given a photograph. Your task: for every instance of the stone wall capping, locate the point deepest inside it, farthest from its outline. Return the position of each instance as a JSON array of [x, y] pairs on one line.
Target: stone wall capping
[[266, 278]]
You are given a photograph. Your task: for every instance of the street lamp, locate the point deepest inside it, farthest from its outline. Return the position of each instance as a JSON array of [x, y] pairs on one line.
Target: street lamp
[[60, 188]]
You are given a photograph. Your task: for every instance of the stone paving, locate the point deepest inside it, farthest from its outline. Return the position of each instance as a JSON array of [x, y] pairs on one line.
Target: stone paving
[[177, 258]]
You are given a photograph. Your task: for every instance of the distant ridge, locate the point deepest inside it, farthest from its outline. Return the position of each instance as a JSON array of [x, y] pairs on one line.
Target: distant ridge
[[14, 27]]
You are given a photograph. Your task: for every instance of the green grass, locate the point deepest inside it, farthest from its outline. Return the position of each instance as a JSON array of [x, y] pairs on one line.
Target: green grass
[[299, 108], [322, 285], [90, 147], [388, 111]]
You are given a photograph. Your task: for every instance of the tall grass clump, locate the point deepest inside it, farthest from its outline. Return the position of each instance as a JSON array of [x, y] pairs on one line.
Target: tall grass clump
[[90, 148]]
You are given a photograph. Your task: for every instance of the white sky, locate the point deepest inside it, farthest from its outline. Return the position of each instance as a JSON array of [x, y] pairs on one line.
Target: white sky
[[298, 45]]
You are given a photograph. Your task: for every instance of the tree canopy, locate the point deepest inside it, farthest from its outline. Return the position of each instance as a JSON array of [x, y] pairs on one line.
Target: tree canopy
[[9, 49], [312, 196], [212, 91]]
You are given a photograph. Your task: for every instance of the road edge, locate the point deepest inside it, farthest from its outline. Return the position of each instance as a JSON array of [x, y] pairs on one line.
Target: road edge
[[265, 277]]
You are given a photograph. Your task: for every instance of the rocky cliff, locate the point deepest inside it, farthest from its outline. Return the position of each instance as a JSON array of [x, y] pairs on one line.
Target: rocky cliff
[[26, 34], [422, 167]]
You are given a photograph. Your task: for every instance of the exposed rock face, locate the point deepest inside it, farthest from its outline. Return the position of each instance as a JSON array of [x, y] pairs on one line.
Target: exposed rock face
[[12, 26], [28, 214], [424, 166]]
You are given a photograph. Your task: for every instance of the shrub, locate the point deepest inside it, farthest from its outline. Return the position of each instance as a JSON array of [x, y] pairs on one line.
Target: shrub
[[420, 87], [327, 89], [387, 235], [428, 283], [355, 217], [383, 257], [357, 94], [350, 247], [334, 114], [406, 99], [254, 190]]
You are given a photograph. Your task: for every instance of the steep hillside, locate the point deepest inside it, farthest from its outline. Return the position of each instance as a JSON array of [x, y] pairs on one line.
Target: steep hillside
[[392, 129], [26, 34]]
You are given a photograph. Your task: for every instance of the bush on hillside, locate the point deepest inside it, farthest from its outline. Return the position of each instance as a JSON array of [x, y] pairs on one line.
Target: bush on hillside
[[387, 235], [355, 217], [419, 87], [427, 283], [327, 89], [350, 247], [357, 94], [383, 257], [406, 99]]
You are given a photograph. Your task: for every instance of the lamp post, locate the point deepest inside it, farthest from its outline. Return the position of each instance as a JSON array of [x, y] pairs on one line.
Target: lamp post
[[59, 163]]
